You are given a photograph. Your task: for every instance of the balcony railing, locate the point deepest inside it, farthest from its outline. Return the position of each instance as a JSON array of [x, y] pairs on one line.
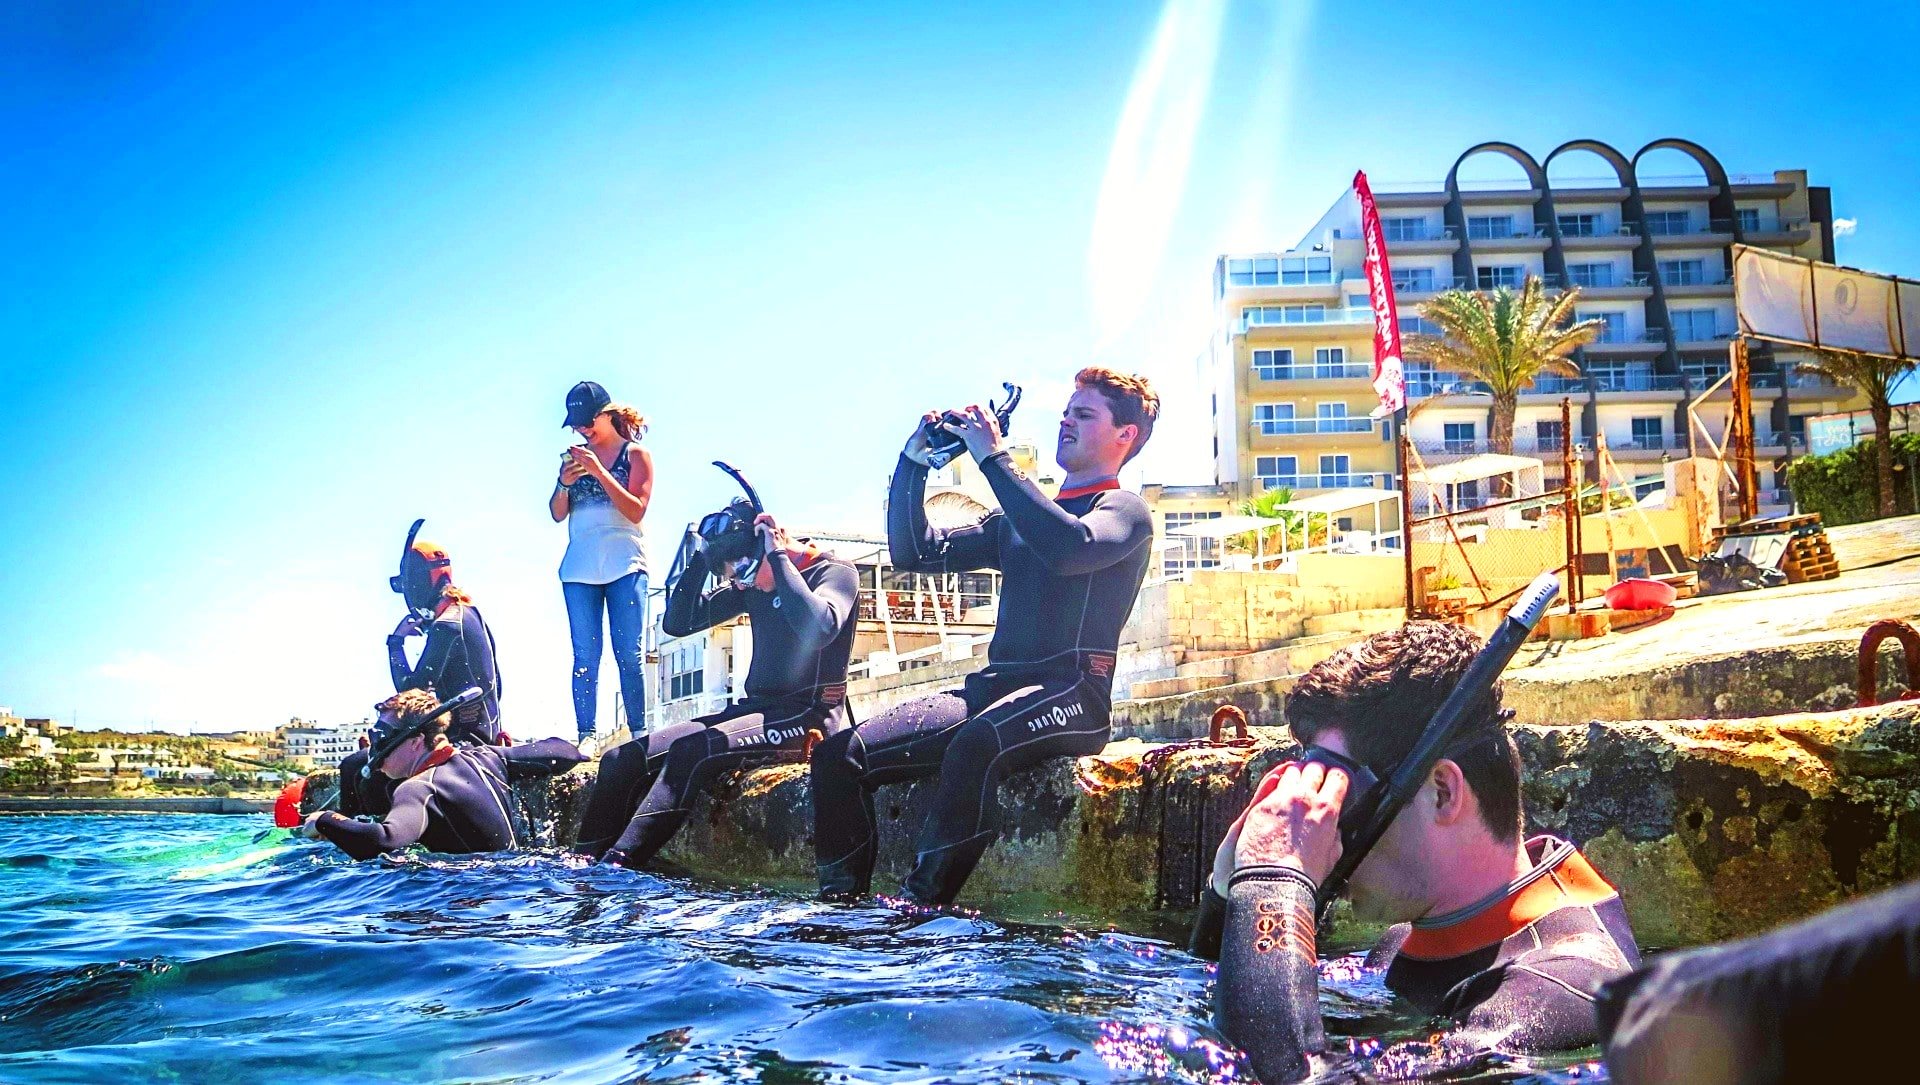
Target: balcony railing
[[1283, 427], [1588, 282], [1663, 442], [1312, 372], [1357, 479], [1769, 224], [1511, 233], [1690, 229], [1554, 385], [1523, 445], [1637, 382], [1429, 285], [1423, 386], [1279, 317], [1425, 233]]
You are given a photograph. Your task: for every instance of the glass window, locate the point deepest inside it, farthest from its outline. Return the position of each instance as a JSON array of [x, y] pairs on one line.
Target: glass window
[[1578, 225], [1666, 222], [1749, 218], [1692, 325], [1266, 271], [1489, 227], [1404, 229], [1413, 279], [1191, 553], [1467, 494], [1336, 471], [1646, 432], [1457, 436], [1275, 471], [1616, 326], [1418, 325], [1273, 365], [1306, 270], [1330, 410], [1239, 272], [1274, 418], [1590, 274], [1255, 315], [1492, 278], [1683, 272], [1546, 435], [1329, 362]]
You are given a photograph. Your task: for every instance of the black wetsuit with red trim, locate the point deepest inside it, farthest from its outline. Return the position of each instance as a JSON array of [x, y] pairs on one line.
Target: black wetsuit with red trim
[[1519, 972], [458, 802], [802, 639], [1070, 567]]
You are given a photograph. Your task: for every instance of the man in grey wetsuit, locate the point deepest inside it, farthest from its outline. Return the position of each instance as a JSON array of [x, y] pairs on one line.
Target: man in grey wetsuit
[[449, 798], [1511, 938], [1070, 568]]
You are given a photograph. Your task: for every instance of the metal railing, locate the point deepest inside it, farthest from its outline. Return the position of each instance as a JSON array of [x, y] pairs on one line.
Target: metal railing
[[1637, 382], [1286, 317], [1425, 233], [1353, 479], [1661, 443], [1284, 427], [1309, 371], [1634, 279]]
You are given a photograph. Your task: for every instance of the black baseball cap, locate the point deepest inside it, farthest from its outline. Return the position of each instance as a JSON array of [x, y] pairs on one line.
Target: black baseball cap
[[584, 403]]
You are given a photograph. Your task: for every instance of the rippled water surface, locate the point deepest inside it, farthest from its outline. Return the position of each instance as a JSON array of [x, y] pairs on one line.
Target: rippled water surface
[[191, 949]]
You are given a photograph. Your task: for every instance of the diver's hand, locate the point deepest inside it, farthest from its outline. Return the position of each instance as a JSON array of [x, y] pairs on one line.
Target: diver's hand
[[1223, 855], [309, 828], [772, 538], [409, 626], [978, 429], [917, 445], [1297, 822]]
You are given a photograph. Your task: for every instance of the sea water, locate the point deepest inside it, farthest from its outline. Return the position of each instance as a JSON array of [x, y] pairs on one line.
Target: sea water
[[175, 948]]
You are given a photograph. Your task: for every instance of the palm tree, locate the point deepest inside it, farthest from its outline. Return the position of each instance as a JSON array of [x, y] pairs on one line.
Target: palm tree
[[1874, 378], [1267, 504], [1504, 340]]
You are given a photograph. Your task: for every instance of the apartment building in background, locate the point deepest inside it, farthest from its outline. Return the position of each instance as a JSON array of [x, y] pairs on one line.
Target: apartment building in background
[[1290, 359]]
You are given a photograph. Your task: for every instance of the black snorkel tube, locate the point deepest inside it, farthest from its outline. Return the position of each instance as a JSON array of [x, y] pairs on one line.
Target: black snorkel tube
[[390, 741], [727, 537], [1382, 804], [944, 447], [752, 497]]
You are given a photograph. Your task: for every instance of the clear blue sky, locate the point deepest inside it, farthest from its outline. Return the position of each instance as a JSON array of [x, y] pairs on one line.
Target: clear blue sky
[[280, 278]]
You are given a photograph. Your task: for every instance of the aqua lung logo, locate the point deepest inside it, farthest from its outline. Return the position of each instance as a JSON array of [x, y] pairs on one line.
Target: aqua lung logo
[[1056, 718], [777, 735]]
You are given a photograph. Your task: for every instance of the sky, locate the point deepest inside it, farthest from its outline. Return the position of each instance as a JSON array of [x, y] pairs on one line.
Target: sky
[[278, 279]]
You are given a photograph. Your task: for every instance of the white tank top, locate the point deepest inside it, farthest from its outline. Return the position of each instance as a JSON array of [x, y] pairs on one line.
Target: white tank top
[[602, 544]]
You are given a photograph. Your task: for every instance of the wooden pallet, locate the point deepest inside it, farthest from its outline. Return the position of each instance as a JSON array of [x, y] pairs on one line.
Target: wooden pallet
[[1809, 557], [1806, 523]]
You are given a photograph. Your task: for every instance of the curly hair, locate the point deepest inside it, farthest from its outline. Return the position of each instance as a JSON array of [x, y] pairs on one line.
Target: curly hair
[[409, 705], [1132, 401], [1380, 693], [629, 423]]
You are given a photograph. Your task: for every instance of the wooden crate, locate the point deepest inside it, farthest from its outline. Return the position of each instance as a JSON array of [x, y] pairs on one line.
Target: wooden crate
[[1809, 557]]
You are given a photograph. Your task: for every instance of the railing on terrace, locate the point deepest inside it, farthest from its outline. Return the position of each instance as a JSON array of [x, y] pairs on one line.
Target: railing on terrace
[[1637, 382], [1589, 282], [1650, 444], [1355, 479], [1423, 233], [1275, 316], [1312, 372], [1280, 427]]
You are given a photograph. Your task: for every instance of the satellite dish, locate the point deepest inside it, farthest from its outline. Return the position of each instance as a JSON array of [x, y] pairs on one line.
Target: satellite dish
[[953, 509]]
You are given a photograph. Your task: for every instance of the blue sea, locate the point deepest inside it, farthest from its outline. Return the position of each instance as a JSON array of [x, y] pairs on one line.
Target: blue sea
[[172, 948]]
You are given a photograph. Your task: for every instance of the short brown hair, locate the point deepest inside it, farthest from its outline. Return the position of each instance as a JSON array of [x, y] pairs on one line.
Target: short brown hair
[[1380, 693], [409, 705], [1132, 401]]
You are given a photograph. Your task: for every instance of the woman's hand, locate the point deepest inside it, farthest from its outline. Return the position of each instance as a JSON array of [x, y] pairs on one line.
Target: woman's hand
[[978, 429], [570, 469], [583, 458]]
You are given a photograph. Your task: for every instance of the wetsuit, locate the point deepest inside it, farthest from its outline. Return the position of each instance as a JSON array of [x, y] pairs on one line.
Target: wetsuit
[[457, 656], [1070, 569], [1519, 971], [802, 638], [458, 803], [1824, 999]]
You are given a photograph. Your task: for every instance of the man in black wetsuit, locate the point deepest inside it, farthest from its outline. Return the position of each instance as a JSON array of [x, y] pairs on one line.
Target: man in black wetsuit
[[449, 798], [458, 655], [1070, 568], [801, 603], [1509, 937]]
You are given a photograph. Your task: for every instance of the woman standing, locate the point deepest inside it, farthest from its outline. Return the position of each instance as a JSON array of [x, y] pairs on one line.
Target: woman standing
[[602, 494]]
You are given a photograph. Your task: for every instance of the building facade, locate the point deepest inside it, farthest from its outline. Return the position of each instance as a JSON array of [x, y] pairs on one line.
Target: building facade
[[1290, 358]]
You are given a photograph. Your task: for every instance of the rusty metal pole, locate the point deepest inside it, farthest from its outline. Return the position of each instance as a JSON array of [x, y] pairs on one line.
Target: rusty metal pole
[[1406, 504], [1746, 476], [1572, 503]]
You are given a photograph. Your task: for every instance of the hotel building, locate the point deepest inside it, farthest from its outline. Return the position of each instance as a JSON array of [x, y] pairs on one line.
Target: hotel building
[[1290, 358]]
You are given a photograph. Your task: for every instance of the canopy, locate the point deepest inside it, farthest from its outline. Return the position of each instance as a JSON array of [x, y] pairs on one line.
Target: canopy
[[1474, 468], [1332, 501], [1221, 527]]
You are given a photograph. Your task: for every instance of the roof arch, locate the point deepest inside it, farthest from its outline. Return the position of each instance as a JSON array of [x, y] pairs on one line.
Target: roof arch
[[1709, 165], [1536, 176], [1622, 168]]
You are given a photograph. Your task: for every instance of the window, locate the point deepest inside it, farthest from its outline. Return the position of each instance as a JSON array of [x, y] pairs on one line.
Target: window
[[1330, 362], [1666, 222], [1254, 271], [686, 672], [1590, 274], [1489, 227], [1797, 428], [1274, 418], [1547, 435], [1276, 471], [1254, 315], [1330, 410], [1615, 330], [1703, 371], [1404, 229], [1466, 494], [1273, 365], [1621, 376], [1336, 471], [1692, 325], [1304, 270], [1413, 279], [1683, 272], [1492, 278], [1578, 225], [1457, 436], [1191, 553], [1646, 432], [1422, 380], [1749, 218], [1418, 325]]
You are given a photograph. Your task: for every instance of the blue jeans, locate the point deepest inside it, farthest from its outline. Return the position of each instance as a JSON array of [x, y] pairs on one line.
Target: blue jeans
[[625, 603]]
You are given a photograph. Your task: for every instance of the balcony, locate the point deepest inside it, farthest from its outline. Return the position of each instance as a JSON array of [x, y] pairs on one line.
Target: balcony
[[1426, 241], [1275, 318], [1693, 337], [1773, 230], [1637, 382], [1624, 236], [1613, 343], [1299, 427], [1663, 443], [1515, 239], [1351, 480], [1716, 232], [1523, 445], [1555, 386], [1409, 289], [1313, 372], [1421, 387]]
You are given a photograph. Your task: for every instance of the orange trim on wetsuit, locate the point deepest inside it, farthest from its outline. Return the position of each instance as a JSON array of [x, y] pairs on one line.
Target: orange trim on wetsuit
[[1572, 883], [1089, 488]]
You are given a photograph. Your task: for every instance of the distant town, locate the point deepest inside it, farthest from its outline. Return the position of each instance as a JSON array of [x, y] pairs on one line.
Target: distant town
[[42, 756]]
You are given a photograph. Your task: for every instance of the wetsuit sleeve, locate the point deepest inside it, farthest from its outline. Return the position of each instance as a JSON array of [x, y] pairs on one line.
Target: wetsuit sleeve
[[405, 824], [1110, 532], [397, 663], [1210, 926], [915, 547], [1267, 1000], [1543, 1005], [690, 608], [441, 639], [817, 613], [547, 757]]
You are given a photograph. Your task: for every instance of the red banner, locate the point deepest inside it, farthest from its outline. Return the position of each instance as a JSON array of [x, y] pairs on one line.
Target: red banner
[[1389, 376]]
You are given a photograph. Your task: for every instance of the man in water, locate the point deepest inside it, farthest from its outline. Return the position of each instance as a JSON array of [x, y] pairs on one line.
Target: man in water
[[800, 603], [1070, 567], [448, 798], [1511, 938], [458, 655]]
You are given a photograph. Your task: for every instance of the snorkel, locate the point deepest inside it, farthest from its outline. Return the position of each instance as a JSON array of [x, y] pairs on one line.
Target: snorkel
[[1375, 804], [388, 737], [943, 447], [732, 544], [416, 582]]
